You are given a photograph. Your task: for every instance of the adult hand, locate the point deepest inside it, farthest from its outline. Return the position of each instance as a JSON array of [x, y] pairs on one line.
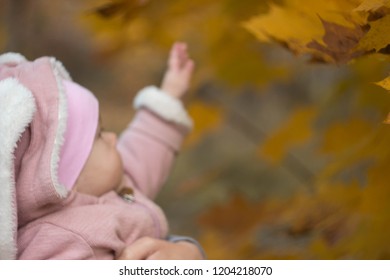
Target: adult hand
[[147, 248]]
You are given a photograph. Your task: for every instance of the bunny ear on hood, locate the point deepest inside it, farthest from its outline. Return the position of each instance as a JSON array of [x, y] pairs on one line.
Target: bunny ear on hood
[[32, 111]]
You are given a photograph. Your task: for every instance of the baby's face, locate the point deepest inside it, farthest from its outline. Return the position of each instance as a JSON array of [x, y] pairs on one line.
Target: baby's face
[[103, 170]]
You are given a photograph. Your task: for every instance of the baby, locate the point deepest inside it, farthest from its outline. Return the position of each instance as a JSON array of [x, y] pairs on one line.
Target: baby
[[71, 190]]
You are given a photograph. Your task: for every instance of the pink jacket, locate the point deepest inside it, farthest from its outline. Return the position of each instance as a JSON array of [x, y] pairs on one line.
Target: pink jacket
[[55, 224]]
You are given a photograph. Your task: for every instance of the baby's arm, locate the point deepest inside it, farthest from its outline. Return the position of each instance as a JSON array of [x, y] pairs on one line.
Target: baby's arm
[[149, 145]]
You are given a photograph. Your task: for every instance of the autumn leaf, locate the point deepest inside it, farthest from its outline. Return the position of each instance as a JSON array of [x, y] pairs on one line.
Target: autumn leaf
[[349, 28], [215, 245], [229, 230], [378, 37], [274, 26], [341, 136], [375, 209], [372, 5], [376, 196], [125, 8], [295, 131], [385, 83], [232, 217], [339, 43], [207, 118], [297, 24], [326, 219], [221, 247], [109, 9]]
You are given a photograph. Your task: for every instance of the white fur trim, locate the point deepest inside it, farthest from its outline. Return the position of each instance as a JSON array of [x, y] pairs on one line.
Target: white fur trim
[[17, 108], [12, 58], [59, 72], [164, 105], [60, 69]]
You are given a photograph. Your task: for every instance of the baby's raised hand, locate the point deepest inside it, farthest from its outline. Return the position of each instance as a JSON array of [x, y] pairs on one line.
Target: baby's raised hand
[[180, 67]]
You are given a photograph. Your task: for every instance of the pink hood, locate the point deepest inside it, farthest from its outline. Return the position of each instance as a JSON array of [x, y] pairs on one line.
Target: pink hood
[[32, 124]]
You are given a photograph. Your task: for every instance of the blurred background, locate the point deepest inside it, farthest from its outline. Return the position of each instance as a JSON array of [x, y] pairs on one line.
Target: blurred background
[[288, 158]]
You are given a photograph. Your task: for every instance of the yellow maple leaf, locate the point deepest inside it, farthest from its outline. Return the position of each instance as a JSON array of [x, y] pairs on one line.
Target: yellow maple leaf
[[336, 11], [339, 43], [107, 34], [214, 246], [301, 28], [296, 130], [232, 226], [233, 217], [378, 37], [340, 136], [207, 118], [376, 195], [372, 5], [218, 246], [297, 22], [385, 83], [370, 239]]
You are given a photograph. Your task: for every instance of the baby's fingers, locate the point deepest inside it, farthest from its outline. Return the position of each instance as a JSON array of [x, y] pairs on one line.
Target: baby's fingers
[[187, 69], [178, 56], [173, 60]]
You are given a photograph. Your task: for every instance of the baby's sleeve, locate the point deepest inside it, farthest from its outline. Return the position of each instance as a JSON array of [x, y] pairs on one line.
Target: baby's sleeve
[[149, 145]]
